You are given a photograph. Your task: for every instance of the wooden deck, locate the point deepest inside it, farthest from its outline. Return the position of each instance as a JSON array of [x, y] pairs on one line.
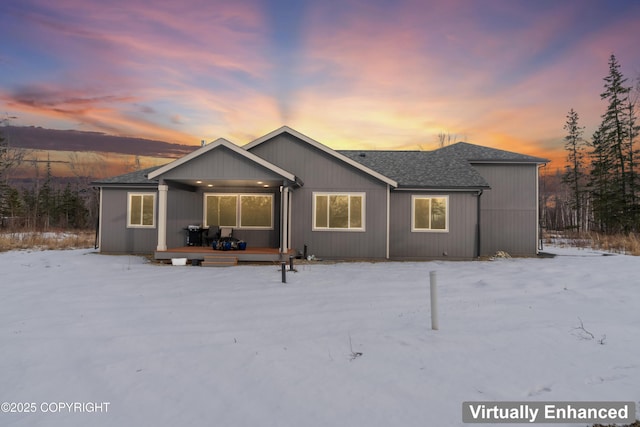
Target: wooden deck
[[199, 253]]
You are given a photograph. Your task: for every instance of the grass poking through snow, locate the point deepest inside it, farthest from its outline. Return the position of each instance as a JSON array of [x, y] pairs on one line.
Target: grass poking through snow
[[53, 240]]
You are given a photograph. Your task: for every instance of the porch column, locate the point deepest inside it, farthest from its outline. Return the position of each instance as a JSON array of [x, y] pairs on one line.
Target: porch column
[[162, 217], [388, 236], [284, 227]]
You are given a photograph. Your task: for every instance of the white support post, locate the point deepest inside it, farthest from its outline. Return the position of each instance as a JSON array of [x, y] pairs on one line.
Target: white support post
[[434, 300], [388, 237], [162, 217], [284, 232]]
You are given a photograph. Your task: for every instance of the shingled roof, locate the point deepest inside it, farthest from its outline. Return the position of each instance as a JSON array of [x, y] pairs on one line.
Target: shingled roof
[[132, 178], [479, 154], [424, 169], [446, 168]]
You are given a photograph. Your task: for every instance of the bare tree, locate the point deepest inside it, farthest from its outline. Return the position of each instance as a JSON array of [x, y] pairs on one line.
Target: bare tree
[[575, 173], [445, 138]]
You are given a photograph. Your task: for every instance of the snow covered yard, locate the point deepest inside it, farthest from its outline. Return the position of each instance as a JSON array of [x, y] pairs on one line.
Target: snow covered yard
[[345, 344]]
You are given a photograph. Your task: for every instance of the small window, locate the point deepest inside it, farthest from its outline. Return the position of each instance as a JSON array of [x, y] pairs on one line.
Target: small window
[[333, 211], [430, 213], [239, 210], [141, 210]]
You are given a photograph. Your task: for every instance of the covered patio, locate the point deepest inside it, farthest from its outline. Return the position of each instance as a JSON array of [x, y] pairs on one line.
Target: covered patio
[[221, 185]]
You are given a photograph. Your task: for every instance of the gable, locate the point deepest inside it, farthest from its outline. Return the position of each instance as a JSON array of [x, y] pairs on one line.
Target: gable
[[318, 168], [221, 160], [269, 146], [220, 164]]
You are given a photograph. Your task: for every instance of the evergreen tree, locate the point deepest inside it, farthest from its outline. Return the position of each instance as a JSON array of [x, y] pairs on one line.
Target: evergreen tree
[[73, 213], [600, 184], [46, 198], [634, 182], [9, 158], [613, 155], [574, 175]]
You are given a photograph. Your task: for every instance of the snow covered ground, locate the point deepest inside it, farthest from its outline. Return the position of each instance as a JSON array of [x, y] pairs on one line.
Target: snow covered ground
[[345, 344]]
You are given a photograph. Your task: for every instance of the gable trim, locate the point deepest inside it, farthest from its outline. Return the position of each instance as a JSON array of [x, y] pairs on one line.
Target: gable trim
[[221, 142], [321, 147]]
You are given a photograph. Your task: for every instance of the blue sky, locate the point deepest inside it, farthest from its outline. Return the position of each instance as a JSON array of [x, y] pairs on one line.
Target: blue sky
[[351, 74]]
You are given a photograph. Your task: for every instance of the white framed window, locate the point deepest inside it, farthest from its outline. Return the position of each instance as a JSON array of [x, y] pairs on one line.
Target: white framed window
[[253, 211], [339, 211], [141, 210], [430, 213]]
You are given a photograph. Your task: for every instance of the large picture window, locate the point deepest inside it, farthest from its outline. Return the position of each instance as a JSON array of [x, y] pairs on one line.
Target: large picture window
[[338, 211], [141, 210], [430, 213], [239, 210]]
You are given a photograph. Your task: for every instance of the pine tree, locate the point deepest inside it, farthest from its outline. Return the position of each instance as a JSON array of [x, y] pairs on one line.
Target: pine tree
[[46, 200], [574, 175], [634, 182], [612, 154], [4, 187], [599, 183]]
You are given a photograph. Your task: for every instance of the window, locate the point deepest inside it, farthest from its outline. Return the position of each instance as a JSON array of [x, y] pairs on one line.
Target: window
[[335, 211], [430, 213], [141, 210], [221, 210], [239, 210], [256, 211]]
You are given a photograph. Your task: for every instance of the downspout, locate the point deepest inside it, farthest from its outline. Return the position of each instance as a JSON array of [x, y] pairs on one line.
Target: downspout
[[539, 242], [478, 246], [282, 219]]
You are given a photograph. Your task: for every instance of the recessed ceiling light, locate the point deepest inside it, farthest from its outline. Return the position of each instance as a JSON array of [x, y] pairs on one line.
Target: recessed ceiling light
[[198, 182], [259, 182], [265, 186], [209, 185]]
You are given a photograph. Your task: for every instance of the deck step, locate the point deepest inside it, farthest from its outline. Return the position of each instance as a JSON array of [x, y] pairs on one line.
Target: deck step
[[219, 261]]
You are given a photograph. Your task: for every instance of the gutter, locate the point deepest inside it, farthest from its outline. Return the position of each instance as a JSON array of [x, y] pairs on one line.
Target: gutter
[[444, 189]]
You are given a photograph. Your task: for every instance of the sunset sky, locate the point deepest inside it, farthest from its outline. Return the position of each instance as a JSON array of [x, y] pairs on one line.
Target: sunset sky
[[370, 74]]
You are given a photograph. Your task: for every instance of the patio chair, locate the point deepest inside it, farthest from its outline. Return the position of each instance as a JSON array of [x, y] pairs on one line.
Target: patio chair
[[211, 234], [226, 232]]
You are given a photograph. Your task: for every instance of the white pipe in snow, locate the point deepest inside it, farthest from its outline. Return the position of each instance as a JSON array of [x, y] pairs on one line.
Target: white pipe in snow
[[434, 300]]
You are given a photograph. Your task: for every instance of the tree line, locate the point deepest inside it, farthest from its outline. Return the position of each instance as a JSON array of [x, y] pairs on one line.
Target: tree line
[[600, 187], [47, 201]]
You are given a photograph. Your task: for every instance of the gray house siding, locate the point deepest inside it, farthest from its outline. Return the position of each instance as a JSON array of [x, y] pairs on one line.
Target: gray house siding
[[509, 211], [115, 236], [458, 243], [322, 172], [183, 208], [220, 164]]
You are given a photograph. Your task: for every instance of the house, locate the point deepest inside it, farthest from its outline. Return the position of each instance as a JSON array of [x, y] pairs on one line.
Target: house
[[290, 194]]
